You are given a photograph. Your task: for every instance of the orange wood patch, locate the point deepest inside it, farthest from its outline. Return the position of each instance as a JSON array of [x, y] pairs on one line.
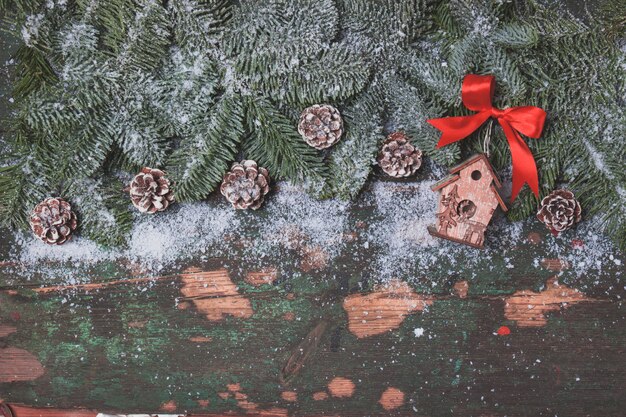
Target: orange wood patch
[[289, 396], [382, 310], [314, 258], [264, 276], [341, 387], [140, 324], [320, 396], [200, 339], [555, 264], [214, 294], [233, 387], [391, 399], [96, 285], [21, 411], [247, 405], [6, 330], [169, 406], [529, 308], [534, 238], [272, 412], [461, 289], [19, 365]]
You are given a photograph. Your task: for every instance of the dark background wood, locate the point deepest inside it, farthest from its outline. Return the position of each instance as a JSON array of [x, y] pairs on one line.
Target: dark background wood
[[136, 342]]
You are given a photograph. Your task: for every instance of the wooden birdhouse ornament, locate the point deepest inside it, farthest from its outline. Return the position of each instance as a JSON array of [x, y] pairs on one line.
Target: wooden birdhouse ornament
[[468, 198]]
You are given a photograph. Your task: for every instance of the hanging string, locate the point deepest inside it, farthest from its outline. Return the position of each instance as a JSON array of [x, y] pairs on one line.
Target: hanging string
[[487, 138]]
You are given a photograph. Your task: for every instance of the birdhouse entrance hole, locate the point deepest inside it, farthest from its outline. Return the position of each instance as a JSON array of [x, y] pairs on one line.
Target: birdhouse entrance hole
[[466, 210]]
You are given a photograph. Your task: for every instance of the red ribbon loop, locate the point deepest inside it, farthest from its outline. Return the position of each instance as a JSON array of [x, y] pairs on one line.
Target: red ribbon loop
[[477, 93]]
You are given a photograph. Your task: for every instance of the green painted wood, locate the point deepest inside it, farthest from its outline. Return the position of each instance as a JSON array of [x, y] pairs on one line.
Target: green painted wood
[[126, 346]]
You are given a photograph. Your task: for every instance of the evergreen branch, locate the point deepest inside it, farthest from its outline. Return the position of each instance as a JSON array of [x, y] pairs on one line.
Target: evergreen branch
[[22, 184], [199, 23], [102, 209], [336, 75], [275, 144], [136, 32], [516, 35], [213, 142], [410, 110], [20, 7], [386, 21], [35, 72], [352, 158], [510, 79]]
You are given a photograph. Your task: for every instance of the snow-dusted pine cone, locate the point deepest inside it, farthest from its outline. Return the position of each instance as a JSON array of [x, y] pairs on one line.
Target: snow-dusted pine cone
[[398, 158], [245, 185], [321, 126], [53, 221], [559, 211], [150, 191]]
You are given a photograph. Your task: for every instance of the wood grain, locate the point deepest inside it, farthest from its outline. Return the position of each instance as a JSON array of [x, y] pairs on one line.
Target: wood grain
[[382, 310], [19, 365], [530, 309], [214, 294]]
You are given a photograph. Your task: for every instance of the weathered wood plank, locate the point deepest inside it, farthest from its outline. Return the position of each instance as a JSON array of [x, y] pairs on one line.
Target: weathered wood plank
[[124, 338]]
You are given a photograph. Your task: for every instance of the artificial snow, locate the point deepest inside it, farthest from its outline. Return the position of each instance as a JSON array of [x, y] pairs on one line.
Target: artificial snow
[[385, 230]]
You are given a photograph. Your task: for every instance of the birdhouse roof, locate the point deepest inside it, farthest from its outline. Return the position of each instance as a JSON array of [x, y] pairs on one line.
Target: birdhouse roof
[[472, 161], [454, 175]]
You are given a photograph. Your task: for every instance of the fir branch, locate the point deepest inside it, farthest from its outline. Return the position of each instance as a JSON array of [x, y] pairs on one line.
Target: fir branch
[[22, 182], [212, 143], [351, 161], [410, 109], [199, 23], [102, 209], [275, 144], [35, 72], [336, 75], [516, 35]]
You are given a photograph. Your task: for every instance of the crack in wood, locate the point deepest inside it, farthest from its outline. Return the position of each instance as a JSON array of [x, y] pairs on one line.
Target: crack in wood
[[302, 352]]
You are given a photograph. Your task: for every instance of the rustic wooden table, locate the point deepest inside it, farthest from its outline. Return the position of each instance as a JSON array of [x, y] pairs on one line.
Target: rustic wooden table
[[302, 334], [515, 331]]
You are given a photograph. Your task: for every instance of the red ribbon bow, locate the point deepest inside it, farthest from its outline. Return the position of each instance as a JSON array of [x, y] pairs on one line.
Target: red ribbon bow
[[477, 92]]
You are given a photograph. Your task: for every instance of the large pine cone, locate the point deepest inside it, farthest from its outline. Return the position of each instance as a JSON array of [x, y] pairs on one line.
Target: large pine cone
[[398, 158], [245, 185], [321, 126], [150, 191], [559, 211], [53, 221]]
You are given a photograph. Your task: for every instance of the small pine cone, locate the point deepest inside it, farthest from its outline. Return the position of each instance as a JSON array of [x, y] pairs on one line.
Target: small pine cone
[[245, 185], [53, 221], [398, 158], [150, 191], [321, 126], [559, 211]]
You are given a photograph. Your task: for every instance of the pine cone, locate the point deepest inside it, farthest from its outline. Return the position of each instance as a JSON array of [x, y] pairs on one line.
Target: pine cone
[[150, 191], [559, 211], [53, 221], [245, 185], [321, 126], [398, 158]]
